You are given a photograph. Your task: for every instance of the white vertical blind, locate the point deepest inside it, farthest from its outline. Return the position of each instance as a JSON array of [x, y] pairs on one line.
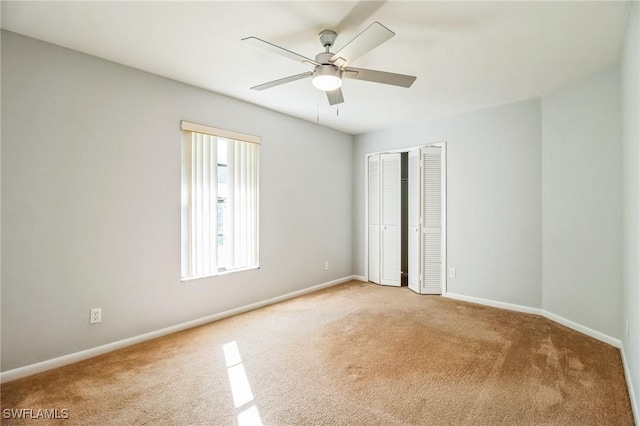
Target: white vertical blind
[[244, 204], [219, 227], [202, 166]]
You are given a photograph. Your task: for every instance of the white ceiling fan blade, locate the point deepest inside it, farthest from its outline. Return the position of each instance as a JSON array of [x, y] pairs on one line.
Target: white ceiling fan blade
[[373, 36], [279, 50], [383, 77], [282, 81], [335, 96]]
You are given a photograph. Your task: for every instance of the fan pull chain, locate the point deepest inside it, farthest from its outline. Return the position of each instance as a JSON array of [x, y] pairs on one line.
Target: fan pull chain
[[337, 110], [318, 108]]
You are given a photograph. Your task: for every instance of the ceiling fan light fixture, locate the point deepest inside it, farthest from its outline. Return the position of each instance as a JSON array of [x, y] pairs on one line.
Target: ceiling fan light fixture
[[326, 78]]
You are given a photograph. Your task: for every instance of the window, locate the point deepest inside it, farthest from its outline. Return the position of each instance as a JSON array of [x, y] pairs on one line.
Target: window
[[219, 201]]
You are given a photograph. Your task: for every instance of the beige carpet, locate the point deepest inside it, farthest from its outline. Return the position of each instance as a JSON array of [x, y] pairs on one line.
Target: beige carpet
[[352, 354]]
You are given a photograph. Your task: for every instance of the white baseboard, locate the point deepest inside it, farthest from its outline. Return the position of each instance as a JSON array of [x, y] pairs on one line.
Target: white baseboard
[[360, 278], [39, 367], [583, 329], [632, 393], [537, 311], [494, 303]]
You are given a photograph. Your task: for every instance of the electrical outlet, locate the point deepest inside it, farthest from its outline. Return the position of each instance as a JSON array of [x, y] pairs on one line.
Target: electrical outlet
[[96, 316], [452, 272], [326, 266]]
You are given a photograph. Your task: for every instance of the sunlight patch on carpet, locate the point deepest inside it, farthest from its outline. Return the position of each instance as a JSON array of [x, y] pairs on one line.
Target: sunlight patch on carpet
[[240, 387], [250, 417]]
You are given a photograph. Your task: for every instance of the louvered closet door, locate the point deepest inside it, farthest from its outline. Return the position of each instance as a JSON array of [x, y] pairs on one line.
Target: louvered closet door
[[432, 220], [373, 201], [391, 210], [414, 220]]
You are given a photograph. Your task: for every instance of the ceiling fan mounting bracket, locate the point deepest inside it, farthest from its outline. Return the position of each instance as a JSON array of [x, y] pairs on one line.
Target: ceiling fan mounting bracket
[[327, 38]]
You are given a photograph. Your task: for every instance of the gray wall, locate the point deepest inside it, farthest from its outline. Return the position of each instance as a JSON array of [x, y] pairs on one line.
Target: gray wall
[[581, 203], [630, 74], [91, 202], [493, 198]]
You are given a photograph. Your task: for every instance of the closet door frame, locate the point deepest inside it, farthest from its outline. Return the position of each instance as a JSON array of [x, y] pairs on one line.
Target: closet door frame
[[443, 145]]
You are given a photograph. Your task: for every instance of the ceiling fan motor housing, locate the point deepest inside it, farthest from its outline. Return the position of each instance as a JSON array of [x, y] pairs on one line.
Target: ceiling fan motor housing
[[326, 76], [327, 69], [323, 58]]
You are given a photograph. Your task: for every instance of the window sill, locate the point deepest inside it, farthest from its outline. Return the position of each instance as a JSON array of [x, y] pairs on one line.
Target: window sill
[[220, 273]]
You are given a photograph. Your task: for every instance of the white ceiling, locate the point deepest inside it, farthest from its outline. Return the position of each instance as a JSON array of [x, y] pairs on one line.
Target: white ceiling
[[466, 55]]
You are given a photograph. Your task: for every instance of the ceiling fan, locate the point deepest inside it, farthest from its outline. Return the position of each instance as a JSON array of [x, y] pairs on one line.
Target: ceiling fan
[[330, 68]]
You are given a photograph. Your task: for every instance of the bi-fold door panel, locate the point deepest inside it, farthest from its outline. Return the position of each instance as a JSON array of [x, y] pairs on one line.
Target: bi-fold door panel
[[432, 220], [414, 221], [391, 209], [373, 209]]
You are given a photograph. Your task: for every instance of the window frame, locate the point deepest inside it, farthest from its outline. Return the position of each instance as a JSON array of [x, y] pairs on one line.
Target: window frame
[[187, 129]]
